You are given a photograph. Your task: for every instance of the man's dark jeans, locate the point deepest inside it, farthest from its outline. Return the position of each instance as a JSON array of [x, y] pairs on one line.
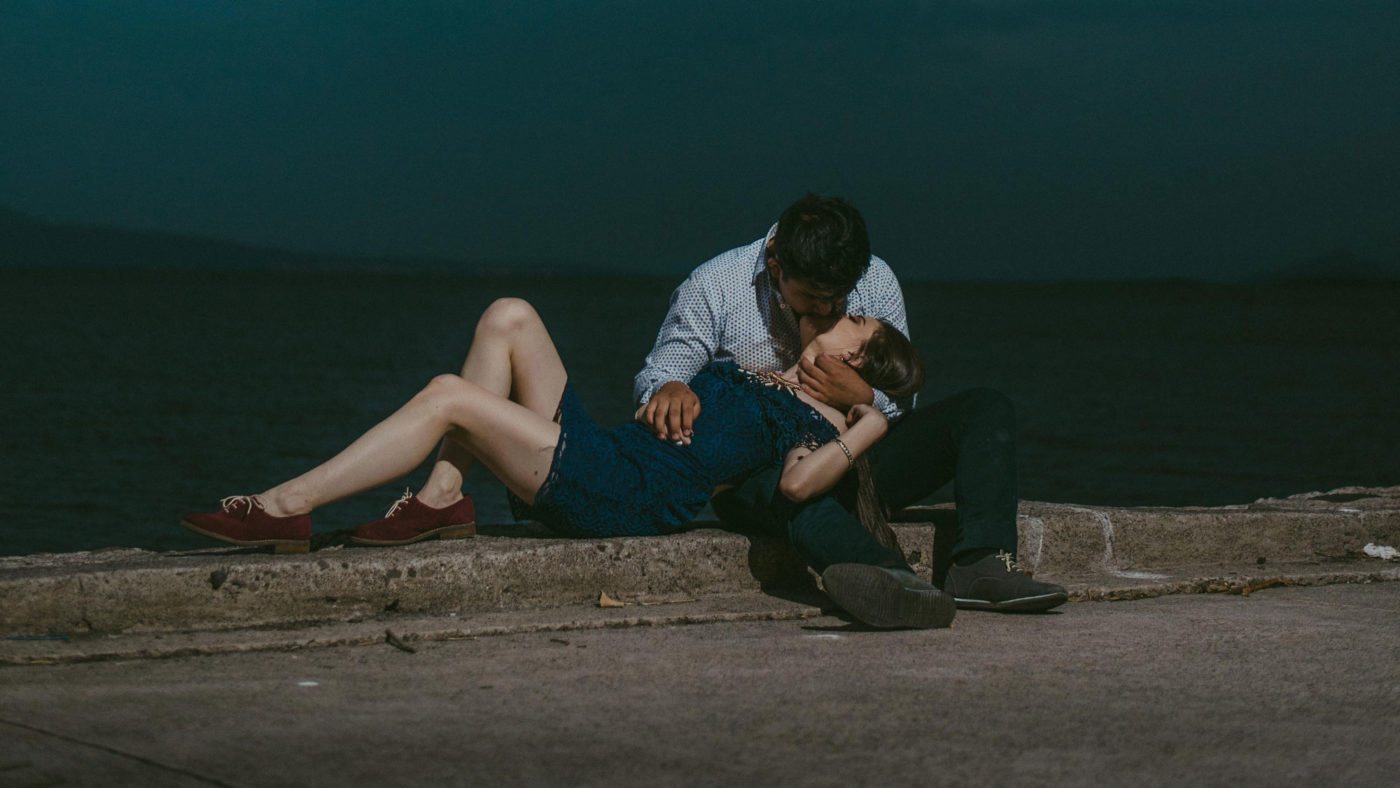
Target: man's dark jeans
[[969, 439]]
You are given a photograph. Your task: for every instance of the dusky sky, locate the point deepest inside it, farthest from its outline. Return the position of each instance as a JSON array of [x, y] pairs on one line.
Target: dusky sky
[[1007, 139]]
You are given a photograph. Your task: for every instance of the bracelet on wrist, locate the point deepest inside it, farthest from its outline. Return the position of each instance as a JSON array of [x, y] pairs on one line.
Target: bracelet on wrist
[[850, 458]]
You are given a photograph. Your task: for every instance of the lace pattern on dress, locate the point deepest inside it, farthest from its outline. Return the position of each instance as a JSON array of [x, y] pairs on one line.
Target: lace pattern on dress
[[798, 424]]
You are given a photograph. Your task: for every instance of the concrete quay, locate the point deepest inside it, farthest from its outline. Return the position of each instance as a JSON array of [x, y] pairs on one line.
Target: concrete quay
[[62, 607], [1289, 686]]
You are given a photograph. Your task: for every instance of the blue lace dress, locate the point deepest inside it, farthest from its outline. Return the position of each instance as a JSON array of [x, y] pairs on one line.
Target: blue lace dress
[[625, 481]]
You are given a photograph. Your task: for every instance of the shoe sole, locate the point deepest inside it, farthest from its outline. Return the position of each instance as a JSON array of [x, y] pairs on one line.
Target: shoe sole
[[277, 545], [460, 531], [1025, 604], [875, 598]]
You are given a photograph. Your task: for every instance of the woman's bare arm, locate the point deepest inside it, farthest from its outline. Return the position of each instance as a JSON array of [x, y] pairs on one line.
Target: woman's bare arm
[[808, 473]]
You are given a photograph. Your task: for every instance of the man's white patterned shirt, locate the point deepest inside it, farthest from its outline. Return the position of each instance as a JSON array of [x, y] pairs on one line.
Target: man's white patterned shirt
[[729, 310]]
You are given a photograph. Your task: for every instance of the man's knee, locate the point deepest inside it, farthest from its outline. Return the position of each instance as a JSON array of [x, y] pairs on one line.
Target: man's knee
[[990, 408], [750, 503]]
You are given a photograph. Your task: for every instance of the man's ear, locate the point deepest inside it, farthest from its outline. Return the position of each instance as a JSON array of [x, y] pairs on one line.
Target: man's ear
[[775, 270]]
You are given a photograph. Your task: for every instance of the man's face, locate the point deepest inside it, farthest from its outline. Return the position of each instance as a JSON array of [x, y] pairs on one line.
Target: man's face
[[805, 299]]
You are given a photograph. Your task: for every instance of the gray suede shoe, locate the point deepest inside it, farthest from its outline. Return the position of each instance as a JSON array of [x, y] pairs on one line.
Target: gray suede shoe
[[888, 598], [997, 583]]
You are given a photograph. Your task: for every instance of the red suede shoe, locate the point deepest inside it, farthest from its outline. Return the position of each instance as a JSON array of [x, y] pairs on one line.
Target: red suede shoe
[[410, 520], [243, 521]]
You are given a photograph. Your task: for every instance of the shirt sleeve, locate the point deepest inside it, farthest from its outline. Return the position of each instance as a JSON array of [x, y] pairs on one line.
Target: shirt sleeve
[[686, 342], [884, 299]]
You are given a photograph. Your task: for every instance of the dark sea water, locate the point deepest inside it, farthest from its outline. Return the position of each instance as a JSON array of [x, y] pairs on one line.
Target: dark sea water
[[128, 399]]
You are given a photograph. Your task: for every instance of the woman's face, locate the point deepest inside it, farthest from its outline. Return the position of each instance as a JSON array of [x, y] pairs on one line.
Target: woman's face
[[846, 339]]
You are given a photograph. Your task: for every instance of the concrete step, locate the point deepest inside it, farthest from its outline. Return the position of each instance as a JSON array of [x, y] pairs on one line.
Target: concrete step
[[115, 591]]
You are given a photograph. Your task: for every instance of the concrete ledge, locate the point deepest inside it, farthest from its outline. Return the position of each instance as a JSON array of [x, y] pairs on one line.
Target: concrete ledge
[[1062, 539], [138, 591], [402, 631]]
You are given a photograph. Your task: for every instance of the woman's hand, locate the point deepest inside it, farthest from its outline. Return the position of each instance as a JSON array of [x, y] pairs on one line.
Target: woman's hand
[[870, 417]]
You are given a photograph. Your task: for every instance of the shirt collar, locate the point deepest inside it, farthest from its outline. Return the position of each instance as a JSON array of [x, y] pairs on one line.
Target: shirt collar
[[760, 266]]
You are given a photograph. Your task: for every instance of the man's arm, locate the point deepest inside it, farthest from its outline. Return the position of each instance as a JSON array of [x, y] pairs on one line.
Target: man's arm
[[685, 343]]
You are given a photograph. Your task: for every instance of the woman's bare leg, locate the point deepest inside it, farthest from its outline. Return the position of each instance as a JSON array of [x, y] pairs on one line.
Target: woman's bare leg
[[499, 410], [514, 442], [511, 356]]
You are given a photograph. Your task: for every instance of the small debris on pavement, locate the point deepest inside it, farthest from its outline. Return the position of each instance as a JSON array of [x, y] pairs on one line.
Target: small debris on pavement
[[1277, 581], [606, 601], [393, 640], [1383, 552]]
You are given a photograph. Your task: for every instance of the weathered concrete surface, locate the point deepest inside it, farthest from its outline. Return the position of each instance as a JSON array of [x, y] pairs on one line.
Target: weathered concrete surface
[[140, 591], [797, 602], [1288, 686], [1306, 527], [1100, 552]]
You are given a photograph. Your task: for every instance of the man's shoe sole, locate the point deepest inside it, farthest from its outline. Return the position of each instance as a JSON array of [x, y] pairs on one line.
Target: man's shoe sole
[[277, 545], [1025, 604], [878, 599], [460, 531]]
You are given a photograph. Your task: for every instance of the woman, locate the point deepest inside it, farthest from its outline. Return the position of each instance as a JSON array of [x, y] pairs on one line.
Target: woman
[[566, 471]]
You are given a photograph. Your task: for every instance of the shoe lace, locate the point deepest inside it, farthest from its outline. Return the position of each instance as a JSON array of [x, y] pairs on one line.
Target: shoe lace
[[248, 502], [1009, 560], [407, 493]]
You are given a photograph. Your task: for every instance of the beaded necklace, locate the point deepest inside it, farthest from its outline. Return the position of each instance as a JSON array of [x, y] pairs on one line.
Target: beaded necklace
[[773, 380]]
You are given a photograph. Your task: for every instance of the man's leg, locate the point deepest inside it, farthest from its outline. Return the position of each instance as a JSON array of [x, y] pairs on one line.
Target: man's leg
[[969, 438], [870, 581], [821, 529]]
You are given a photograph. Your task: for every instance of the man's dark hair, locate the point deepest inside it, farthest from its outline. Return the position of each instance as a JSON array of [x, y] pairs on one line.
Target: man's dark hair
[[822, 241], [891, 364]]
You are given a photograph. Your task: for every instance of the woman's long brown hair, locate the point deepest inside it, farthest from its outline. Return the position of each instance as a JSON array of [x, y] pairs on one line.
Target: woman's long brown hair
[[891, 365]]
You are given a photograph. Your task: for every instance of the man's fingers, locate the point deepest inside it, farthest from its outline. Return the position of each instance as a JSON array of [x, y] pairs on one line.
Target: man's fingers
[[657, 420], [671, 413], [689, 410], [673, 422]]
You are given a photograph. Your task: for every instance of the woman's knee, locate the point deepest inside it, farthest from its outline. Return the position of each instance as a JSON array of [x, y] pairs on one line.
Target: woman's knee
[[448, 393], [507, 316]]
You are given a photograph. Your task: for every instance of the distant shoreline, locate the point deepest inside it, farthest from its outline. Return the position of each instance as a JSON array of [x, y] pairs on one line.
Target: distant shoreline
[[40, 272], [31, 244]]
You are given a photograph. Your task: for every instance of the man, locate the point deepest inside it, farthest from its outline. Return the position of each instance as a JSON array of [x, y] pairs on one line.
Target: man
[[755, 305]]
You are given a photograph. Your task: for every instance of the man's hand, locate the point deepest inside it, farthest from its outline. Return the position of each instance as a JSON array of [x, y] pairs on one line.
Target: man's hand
[[834, 382], [671, 411]]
